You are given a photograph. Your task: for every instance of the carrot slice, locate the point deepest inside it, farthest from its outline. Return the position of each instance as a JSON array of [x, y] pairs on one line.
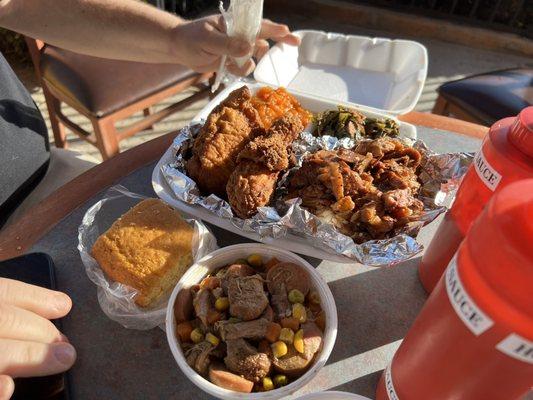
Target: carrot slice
[[270, 263], [213, 316], [210, 282], [291, 323], [183, 331], [273, 331]]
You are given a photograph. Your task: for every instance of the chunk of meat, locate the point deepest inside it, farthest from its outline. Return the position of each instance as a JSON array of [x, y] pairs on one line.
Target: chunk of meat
[[218, 292], [247, 297], [291, 275], [343, 205], [198, 357], [331, 177], [203, 304], [280, 301], [379, 147], [183, 307], [366, 194], [220, 376], [377, 220], [268, 314], [255, 330], [244, 359], [397, 198], [235, 271], [294, 363]]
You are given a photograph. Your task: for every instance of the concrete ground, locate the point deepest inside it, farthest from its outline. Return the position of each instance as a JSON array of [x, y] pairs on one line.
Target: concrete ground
[[447, 62]]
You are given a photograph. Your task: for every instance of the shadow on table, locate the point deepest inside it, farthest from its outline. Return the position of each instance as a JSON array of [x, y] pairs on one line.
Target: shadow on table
[[375, 308], [365, 385]]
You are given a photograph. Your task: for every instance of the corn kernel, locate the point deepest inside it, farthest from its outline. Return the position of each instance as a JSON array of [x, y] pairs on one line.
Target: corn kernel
[[299, 312], [286, 335], [279, 349], [197, 335], [255, 260], [314, 297], [299, 341], [295, 296], [267, 383], [222, 303], [212, 339], [280, 380]]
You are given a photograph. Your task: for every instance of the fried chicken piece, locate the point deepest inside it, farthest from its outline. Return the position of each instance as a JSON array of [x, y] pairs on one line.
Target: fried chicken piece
[[250, 186], [252, 183], [271, 149], [229, 127]]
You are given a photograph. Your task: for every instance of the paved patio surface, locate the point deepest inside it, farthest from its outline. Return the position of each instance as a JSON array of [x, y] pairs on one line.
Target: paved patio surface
[[447, 62]]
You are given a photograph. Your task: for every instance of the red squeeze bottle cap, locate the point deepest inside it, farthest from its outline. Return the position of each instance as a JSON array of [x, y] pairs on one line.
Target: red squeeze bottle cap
[[521, 134], [501, 243]]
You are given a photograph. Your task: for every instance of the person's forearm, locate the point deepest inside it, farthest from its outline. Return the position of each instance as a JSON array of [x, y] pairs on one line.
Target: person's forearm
[[118, 29]]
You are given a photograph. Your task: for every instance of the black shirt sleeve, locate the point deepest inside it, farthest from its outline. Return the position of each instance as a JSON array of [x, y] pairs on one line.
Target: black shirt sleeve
[[24, 147]]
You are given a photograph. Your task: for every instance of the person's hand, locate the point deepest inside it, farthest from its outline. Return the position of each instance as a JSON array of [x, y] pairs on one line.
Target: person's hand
[[30, 345], [201, 43]]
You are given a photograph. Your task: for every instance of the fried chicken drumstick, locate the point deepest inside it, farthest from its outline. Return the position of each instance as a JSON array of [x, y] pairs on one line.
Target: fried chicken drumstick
[[252, 183]]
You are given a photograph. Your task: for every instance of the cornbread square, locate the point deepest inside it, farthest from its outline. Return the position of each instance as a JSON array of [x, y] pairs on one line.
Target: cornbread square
[[149, 248]]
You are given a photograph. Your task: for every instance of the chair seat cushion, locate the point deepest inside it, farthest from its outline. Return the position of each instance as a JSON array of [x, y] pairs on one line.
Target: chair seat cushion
[[101, 86], [492, 96]]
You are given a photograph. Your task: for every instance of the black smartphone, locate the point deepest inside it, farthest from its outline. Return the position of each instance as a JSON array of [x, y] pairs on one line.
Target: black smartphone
[[37, 269]]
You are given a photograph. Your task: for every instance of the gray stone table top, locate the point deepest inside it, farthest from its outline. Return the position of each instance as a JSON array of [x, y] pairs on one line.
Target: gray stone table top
[[375, 308]]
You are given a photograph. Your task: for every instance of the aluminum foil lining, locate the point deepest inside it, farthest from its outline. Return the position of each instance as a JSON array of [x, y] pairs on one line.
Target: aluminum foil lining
[[440, 177]]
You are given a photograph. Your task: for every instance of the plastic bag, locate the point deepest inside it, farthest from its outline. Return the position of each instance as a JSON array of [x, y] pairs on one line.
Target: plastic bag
[[243, 20], [116, 299]]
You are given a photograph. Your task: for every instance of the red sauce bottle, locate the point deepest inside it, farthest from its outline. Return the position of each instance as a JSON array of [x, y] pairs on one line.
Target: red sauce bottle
[[473, 340], [506, 156]]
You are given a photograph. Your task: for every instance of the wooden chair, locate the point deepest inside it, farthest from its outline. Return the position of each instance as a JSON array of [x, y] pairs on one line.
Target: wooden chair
[[107, 91], [488, 97]]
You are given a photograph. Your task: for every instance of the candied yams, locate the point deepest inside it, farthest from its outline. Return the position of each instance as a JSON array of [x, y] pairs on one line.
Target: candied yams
[[272, 104], [366, 193]]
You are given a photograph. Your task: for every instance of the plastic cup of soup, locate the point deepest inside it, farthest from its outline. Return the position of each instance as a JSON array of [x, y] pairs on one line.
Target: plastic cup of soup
[[228, 255]]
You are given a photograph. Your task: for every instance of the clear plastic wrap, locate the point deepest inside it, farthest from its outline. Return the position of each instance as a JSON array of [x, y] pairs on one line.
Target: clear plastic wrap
[[116, 299], [242, 20]]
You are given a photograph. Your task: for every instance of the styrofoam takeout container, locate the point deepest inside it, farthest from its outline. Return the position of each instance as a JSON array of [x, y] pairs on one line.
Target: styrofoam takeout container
[[382, 74], [290, 241], [227, 255]]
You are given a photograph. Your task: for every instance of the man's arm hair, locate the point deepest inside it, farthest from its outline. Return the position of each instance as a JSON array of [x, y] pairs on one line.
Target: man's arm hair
[[116, 29]]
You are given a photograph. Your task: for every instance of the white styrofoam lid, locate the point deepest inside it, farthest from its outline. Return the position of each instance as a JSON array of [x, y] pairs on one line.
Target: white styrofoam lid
[[381, 74], [332, 396]]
